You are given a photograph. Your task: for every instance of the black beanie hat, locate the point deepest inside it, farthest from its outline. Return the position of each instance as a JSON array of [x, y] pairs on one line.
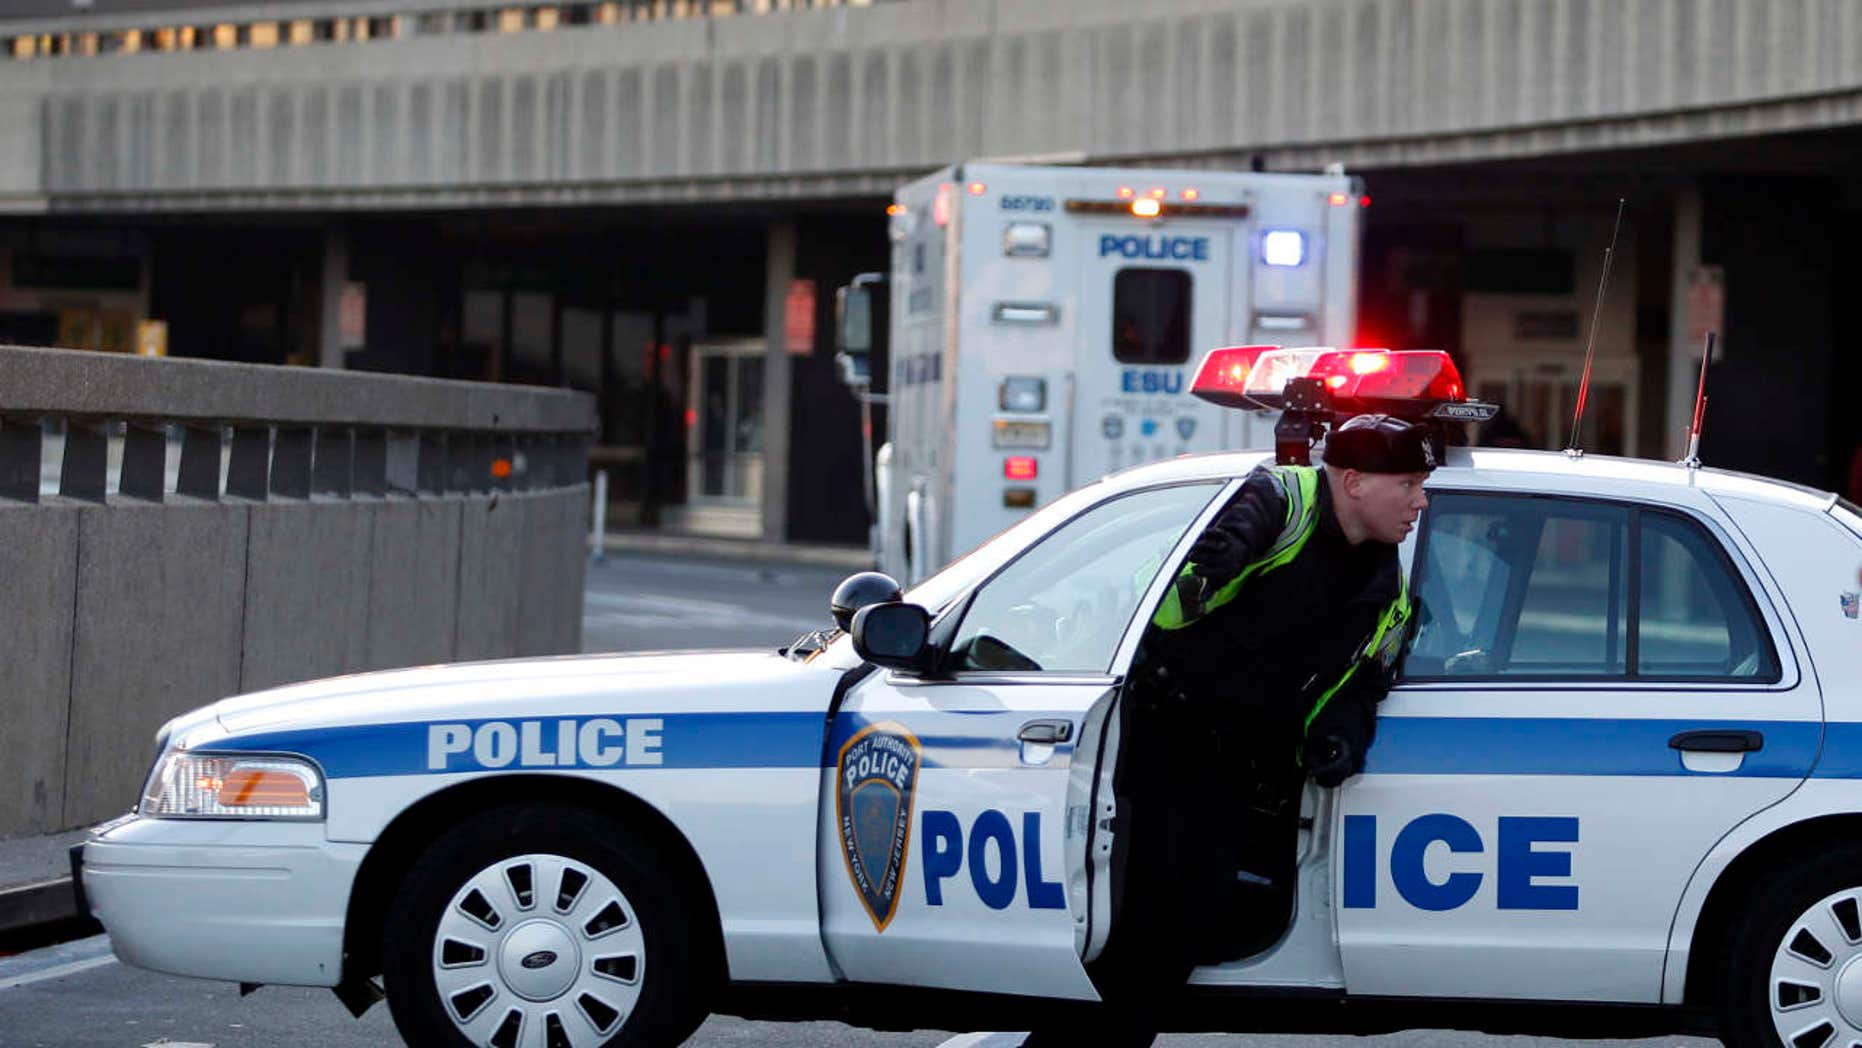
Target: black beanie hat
[[1380, 444]]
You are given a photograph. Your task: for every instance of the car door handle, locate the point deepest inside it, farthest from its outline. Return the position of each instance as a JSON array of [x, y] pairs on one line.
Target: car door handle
[[1046, 732], [1717, 741]]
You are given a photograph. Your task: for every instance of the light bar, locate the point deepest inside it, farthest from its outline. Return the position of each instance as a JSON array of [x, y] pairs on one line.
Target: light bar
[[1380, 375], [1276, 368], [1224, 373]]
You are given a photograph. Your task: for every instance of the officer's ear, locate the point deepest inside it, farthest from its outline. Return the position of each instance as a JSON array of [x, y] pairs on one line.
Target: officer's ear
[[1352, 482]]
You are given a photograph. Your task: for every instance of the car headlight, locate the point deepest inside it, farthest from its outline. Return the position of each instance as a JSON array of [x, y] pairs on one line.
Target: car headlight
[[188, 785]]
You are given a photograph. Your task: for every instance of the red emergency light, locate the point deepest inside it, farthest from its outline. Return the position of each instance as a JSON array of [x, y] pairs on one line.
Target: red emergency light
[[1223, 376], [1020, 467], [1412, 383], [1408, 375]]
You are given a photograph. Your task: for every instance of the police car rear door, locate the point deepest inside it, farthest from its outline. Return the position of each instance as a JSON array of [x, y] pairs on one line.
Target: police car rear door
[[1601, 688], [1154, 297], [956, 806]]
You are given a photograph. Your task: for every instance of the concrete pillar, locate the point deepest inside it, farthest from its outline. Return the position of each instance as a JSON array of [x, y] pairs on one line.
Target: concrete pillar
[[330, 298], [778, 272], [1683, 353]]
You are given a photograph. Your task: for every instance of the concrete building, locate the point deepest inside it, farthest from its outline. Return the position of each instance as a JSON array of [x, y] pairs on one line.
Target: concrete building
[[653, 199]]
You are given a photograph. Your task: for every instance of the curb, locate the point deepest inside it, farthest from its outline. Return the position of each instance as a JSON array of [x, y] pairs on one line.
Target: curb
[[852, 558], [25, 906]]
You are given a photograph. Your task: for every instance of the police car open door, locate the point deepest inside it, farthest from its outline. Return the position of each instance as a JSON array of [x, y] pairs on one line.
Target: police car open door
[[958, 845], [1600, 689]]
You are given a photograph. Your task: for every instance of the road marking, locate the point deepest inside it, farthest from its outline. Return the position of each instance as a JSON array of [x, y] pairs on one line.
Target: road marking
[[55, 962]]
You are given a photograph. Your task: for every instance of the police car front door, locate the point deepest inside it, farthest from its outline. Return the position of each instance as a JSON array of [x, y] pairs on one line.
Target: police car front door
[[1569, 739], [1154, 298], [955, 806]]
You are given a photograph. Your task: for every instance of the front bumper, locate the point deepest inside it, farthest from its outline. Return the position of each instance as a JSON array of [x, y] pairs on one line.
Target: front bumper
[[258, 902]]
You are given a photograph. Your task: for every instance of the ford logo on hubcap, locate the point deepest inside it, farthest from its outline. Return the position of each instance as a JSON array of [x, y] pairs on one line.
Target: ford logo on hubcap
[[540, 959]]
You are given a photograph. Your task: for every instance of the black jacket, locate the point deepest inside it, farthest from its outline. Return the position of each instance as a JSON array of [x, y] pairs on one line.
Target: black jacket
[[1267, 656]]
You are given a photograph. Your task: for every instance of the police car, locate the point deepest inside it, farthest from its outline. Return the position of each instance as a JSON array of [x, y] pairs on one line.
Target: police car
[[1613, 791]]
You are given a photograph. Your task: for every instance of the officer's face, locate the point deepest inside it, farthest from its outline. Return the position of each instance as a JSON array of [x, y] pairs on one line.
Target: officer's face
[[1388, 503]]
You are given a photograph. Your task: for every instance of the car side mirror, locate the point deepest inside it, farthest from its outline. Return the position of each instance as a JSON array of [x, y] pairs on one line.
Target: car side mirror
[[859, 328], [894, 635]]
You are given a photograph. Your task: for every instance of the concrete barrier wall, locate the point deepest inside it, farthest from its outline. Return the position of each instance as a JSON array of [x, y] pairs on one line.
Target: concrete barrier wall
[[124, 611]]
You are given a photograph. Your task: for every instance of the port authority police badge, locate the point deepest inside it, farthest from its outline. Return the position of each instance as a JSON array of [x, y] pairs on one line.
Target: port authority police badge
[[875, 780]]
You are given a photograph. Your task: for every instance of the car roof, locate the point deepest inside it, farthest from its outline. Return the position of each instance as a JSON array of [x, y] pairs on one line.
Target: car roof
[[1518, 462]]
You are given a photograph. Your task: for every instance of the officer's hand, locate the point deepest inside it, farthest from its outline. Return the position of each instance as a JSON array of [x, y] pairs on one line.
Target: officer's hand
[[1329, 759], [1217, 555]]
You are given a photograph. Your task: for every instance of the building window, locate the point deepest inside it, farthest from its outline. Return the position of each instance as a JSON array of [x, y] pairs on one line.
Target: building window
[[262, 35], [301, 32], [546, 17], [225, 37], [511, 20]]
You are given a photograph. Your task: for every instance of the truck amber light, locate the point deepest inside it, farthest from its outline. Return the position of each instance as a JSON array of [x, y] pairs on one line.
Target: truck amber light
[[977, 188], [262, 787], [1146, 207], [1340, 199], [1191, 194], [1124, 193], [1020, 467]]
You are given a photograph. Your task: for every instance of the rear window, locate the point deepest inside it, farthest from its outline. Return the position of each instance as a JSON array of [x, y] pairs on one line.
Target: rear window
[[1151, 316]]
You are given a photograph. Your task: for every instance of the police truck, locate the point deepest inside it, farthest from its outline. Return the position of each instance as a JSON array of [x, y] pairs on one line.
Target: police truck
[[1044, 321]]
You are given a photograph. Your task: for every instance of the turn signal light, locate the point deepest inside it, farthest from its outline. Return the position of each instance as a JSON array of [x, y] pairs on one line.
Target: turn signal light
[[260, 787]]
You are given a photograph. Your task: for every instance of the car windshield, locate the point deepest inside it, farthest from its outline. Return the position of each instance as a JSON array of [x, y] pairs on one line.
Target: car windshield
[[989, 555]]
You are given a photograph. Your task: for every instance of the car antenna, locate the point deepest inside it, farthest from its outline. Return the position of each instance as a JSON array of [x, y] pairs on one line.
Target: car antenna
[[1590, 350], [1692, 461]]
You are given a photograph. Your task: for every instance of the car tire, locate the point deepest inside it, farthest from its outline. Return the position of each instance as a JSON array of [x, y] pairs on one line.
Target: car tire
[[545, 924], [1793, 978]]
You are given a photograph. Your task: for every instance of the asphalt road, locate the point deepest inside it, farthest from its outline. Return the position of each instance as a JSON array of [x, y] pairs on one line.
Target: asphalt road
[[77, 996]]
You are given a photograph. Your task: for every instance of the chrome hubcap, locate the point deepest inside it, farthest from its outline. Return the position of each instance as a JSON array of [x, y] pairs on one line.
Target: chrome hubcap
[[539, 951], [1816, 976]]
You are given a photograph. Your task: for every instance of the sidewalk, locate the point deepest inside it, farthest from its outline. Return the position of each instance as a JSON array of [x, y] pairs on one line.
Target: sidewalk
[[35, 881]]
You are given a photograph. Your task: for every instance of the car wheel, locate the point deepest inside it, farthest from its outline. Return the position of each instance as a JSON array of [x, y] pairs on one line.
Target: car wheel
[[544, 925], [1794, 975]]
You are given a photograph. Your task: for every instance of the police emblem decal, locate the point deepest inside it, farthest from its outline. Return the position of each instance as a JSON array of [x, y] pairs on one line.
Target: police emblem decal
[[1852, 604], [875, 781], [1186, 427]]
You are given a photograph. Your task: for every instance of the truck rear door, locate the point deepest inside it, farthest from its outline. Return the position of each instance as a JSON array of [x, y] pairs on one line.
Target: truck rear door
[[1154, 297]]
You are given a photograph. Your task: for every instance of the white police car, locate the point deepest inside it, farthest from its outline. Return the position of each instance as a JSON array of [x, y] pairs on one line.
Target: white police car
[[1614, 791]]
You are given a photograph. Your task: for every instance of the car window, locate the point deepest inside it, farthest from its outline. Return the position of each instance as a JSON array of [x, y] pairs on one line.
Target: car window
[[1695, 619], [1514, 586], [1064, 604]]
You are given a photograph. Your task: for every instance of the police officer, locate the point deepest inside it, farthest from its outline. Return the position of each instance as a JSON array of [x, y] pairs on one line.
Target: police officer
[[1264, 664]]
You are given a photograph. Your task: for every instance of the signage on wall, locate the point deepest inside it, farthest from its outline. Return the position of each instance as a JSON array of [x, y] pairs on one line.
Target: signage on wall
[[799, 316], [352, 311]]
